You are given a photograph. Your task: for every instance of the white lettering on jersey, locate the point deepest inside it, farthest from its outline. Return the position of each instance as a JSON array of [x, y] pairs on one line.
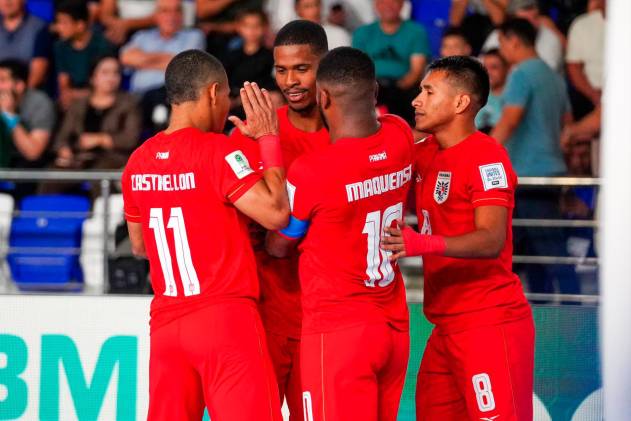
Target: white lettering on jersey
[[162, 155], [239, 164], [493, 176], [382, 156], [378, 185], [163, 182]]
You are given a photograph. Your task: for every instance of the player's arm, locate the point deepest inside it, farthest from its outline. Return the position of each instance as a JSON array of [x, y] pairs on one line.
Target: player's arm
[[509, 121], [266, 202], [486, 241], [281, 243], [135, 236]]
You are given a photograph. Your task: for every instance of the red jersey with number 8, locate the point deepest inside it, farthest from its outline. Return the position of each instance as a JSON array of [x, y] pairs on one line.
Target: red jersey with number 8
[[181, 187], [349, 192]]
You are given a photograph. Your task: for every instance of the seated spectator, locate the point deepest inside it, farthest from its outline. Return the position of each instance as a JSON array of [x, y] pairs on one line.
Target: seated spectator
[[497, 68], [76, 49], [584, 57], [400, 50], [148, 54], [101, 130], [311, 10], [454, 43], [249, 60], [119, 22], [477, 18], [26, 38], [549, 44], [536, 107]]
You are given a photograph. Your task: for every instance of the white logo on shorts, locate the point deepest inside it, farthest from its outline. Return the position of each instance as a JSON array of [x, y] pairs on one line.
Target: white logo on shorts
[[307, 406]]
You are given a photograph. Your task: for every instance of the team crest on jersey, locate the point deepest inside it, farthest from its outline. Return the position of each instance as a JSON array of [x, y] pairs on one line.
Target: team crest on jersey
[[441, 190]]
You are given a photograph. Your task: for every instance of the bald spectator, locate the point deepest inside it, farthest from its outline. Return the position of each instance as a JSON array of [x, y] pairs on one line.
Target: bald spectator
[[584, 56], [550, 42], [400, 50], [26, 38], [311, 10]]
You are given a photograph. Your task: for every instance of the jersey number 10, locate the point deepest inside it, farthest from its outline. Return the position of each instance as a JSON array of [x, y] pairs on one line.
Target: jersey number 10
[[182, 252], [379, 269]]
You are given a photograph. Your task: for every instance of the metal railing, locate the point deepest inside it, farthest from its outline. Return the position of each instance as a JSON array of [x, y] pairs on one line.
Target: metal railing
[[106, 178]]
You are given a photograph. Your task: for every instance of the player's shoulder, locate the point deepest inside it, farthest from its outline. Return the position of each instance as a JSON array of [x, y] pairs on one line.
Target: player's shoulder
[[394, 125], [482, 146]]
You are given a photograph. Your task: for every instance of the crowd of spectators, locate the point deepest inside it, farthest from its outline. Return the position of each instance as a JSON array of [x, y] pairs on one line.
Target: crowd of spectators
[[84, 88]]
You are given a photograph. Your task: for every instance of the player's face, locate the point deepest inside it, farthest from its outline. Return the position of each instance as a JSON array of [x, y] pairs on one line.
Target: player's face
[[434, 107], [295, 67]]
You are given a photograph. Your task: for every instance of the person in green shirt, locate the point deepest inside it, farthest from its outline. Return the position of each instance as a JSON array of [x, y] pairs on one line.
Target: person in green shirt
[[400, 50]]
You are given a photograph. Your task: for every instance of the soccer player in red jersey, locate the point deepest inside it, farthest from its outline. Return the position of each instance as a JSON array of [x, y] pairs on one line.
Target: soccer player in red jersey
[[184, 190], [298, 47], [478, 363], [355, 338]]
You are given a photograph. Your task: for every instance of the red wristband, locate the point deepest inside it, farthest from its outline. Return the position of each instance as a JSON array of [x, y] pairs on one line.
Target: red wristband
[[271, 155], [418, 244]]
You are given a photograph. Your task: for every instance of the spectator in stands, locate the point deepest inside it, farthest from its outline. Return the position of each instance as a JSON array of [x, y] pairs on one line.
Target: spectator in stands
[[536, 107], [6, 146], [28, 114], [76, 49], [249, 60], [26, 38], [400, 50], [585, 56], [121, 19], [311, 10], [454, 43], [149, 52], [101, 130], [585, 131], [497, 68], [477, 18], [550, 41]]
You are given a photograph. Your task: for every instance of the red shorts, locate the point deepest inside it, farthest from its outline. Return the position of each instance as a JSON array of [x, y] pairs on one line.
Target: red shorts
[[354, 374], [478, 374], [285, 354], [215, 357]]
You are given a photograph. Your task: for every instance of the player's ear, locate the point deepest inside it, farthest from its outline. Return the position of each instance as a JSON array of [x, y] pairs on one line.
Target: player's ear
[[463, 101], [213, 93], [324, 98]]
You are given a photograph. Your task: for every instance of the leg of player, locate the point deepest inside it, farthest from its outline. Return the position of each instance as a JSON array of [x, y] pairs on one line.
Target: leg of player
[[284, 353], [493, 367], [175, 389], [437, 393], [293, 391], [392, 376]]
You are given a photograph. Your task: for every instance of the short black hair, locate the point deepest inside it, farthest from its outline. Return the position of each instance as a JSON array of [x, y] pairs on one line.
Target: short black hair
[[467, 73], [520, 28], [349, 68], [453, 31], [495, 52], [189, 72], [94, 63], [17, 69], [303, 32], [77, 10], [252, 11]]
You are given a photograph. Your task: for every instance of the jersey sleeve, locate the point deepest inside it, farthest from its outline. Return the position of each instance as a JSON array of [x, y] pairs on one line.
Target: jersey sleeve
[[302, 198], [131, 209], [492, 180], [238, 168]]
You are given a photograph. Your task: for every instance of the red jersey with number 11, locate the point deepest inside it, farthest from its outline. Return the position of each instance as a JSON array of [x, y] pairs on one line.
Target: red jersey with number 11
[[181, 187], [349, 192]]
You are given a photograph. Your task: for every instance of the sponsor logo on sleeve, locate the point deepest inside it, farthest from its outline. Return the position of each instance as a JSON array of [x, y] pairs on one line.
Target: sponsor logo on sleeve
[[239, 164], [441, 189], [493, 176]]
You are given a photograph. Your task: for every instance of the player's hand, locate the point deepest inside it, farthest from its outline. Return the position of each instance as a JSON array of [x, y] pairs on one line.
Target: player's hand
[[393, 241], [260, 112]]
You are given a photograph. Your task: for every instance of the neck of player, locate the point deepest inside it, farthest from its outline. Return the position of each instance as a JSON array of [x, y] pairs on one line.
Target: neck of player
[[352, 125], [308, 120], [181, 118], [454, 133]]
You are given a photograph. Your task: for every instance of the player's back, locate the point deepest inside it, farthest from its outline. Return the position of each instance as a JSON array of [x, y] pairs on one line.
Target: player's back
[[180, 187], [351, 191]]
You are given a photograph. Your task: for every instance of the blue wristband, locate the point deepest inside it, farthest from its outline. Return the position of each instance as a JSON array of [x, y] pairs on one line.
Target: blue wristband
[[11, 120]]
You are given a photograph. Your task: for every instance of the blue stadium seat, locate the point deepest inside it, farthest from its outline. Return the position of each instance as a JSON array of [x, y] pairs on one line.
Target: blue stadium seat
[[43, 9], [50, 263]]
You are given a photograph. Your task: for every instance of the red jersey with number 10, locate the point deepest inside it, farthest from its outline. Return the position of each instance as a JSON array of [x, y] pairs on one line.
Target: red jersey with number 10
[[464, 293], [349, 192], [181, 187]]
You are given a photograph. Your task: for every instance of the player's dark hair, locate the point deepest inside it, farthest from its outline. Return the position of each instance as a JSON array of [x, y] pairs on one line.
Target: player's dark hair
[[77, 10], [252, 11], [495, 52], [303, 32], [521, 29], [17, 69], [189, 72], [350, 70], [467, 73]]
